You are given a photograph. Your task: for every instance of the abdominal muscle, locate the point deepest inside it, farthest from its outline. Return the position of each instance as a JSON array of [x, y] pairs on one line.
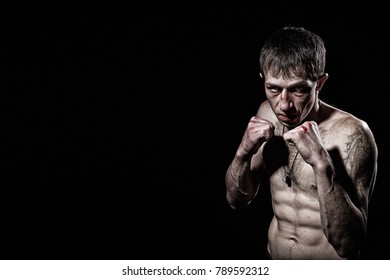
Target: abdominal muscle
[[295, 231]]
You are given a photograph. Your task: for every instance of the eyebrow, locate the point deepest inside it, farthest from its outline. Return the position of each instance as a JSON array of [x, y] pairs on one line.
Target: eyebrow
[[298, 84]]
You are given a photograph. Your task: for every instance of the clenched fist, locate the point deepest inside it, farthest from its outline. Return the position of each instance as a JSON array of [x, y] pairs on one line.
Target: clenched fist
[[257, 132]]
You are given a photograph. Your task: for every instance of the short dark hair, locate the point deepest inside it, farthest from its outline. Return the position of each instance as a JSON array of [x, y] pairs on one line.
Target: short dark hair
[[295, 51]]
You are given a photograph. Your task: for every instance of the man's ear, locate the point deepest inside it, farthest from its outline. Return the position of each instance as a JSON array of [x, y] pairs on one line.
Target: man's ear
[[321, 81]]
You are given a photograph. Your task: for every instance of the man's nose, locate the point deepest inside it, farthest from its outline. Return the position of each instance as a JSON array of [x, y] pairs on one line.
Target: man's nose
[[285, 100]]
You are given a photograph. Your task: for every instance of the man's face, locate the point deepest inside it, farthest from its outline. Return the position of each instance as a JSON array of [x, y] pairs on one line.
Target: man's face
[[291, 99]]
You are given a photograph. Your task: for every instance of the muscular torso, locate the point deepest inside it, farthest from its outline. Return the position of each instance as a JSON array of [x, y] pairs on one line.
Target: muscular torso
[[295, 231]]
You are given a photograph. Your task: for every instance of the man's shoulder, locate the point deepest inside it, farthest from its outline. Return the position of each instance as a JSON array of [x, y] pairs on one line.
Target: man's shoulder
[[339, 123], [265, 110], [343, 119]]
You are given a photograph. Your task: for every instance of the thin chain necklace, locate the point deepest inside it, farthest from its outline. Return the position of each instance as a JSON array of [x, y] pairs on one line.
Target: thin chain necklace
[[290, 171]]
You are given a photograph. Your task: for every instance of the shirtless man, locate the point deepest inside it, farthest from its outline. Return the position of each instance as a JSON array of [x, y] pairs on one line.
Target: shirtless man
[[319, 162]]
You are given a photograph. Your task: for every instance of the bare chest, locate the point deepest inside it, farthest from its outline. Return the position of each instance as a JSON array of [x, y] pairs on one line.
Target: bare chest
[[295, 178]]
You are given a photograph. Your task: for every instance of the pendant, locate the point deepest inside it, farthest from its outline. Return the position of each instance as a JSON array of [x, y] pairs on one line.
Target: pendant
[[288, 181]]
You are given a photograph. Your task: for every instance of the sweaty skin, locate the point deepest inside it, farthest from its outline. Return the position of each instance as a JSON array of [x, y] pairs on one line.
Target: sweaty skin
[[332, 154]]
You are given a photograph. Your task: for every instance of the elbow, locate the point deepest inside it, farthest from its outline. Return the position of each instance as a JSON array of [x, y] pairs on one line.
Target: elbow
[[342, 251], [347, 247], [347, 238], [231, 201], [237, 201], [347, 252]]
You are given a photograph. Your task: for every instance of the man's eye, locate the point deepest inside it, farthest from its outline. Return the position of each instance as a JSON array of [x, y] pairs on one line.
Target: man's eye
[[302, 90], [274, 89]]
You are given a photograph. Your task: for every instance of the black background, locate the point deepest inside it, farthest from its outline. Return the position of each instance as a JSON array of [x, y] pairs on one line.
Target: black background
[[117, 124]]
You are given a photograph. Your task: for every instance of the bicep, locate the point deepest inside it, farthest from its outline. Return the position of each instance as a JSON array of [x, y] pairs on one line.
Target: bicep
[[361, 164]]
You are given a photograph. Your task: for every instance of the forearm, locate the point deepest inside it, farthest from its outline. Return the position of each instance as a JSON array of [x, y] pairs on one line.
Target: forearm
[[342, 222], [240, 186]]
